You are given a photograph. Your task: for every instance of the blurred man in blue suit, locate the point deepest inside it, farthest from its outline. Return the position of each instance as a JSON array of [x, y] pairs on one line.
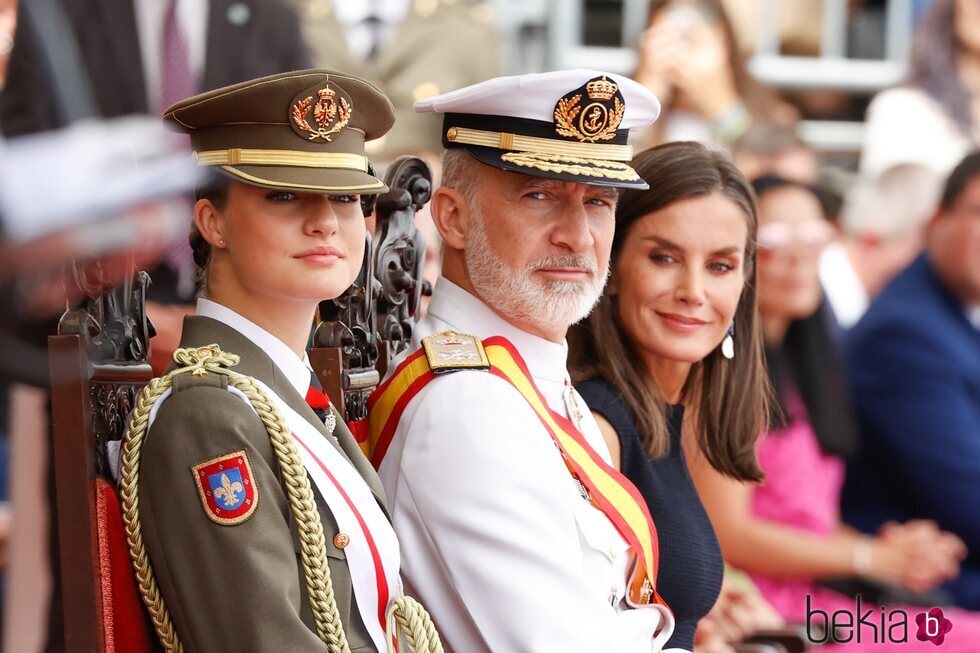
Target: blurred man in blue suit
[[914, 367]]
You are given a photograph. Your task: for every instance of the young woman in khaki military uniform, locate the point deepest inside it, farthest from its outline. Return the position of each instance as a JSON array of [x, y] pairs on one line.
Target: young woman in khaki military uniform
[[231, 499]]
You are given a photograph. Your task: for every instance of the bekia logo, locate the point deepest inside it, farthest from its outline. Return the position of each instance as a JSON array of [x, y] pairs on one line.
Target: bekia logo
[[933, 626], [873, 625]]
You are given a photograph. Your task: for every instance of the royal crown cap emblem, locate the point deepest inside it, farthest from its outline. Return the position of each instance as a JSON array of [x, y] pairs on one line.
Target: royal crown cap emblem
[[331, 109], [600, 116], [601, 89]]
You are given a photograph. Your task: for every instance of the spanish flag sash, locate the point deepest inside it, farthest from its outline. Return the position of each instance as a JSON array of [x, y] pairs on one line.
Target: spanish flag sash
[[608, 489]]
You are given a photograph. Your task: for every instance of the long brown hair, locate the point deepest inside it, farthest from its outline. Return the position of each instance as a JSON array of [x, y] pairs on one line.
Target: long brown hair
[[729, 399]]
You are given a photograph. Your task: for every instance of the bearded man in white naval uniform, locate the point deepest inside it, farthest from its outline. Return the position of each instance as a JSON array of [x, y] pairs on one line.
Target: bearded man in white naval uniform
[[497, 536]]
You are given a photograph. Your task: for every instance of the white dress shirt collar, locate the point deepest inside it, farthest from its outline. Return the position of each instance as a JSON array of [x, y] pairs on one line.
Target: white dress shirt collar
[[469, 314], [296, 369]]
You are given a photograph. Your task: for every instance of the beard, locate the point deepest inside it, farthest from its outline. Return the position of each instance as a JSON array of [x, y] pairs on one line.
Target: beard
[[549, 305]]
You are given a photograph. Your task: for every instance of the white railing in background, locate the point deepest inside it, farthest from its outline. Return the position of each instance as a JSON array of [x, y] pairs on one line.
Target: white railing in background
[[560, 23], [832, 69]]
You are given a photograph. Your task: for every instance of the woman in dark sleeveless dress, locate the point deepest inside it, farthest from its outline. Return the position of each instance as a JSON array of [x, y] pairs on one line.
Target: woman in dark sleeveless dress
[[676, 333]]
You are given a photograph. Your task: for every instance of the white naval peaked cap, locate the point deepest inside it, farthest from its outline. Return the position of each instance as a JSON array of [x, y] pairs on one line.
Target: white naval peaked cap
[[571, 125]]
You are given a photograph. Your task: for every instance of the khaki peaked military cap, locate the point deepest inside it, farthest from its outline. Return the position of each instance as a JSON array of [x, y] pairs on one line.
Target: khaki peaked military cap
[[302, 130]]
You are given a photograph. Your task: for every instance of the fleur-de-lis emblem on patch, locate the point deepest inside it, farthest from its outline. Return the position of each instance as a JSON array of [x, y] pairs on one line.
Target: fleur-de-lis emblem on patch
[[227, 491], [331, 113], [226, 488]]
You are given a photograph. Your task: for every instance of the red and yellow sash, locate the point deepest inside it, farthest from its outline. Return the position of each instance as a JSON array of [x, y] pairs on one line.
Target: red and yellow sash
[[608, 489]]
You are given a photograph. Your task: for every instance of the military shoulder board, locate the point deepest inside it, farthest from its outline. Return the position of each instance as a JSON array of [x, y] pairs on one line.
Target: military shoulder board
[[449, 352]]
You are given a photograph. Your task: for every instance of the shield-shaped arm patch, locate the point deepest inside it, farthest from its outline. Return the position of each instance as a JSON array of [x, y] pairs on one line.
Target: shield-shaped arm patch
[[227, 488]]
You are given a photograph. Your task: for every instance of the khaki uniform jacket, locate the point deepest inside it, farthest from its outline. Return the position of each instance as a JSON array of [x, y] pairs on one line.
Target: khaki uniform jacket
[[438, 47], [235, 588]]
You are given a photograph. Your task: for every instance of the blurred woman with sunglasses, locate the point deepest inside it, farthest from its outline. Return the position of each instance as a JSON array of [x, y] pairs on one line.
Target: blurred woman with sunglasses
[[787, 532]]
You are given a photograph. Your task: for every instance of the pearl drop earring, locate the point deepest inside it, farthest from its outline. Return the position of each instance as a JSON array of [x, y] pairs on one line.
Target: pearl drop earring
[[728, 344]]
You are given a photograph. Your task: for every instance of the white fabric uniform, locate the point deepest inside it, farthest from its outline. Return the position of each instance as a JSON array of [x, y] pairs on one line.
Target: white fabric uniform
[[496, 540]]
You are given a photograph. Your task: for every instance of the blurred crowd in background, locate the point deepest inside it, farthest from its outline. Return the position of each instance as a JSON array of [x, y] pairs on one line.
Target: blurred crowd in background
[[849, 116]]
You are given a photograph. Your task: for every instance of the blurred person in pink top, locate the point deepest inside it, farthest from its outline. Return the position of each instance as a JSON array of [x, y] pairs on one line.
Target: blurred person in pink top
[[787, 532]]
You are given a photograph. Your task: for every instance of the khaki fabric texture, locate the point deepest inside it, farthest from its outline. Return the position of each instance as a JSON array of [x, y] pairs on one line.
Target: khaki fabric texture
[[280, 115], [239, 587], [440, 46]]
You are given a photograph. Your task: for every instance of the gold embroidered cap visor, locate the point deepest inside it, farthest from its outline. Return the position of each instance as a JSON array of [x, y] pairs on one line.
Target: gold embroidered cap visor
[[297, 131], [531, 148]]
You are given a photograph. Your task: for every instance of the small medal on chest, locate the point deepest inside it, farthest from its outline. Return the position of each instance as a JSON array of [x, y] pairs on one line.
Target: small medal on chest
[[318, 400], [330, 421], [574, 412], [572, 407], [582, 490]]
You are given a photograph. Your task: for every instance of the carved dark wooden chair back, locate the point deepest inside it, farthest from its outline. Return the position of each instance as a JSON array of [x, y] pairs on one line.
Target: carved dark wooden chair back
[[362, 330], [98, 365]]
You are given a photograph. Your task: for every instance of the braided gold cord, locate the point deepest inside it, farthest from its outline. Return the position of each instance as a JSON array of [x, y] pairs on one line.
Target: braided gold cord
[[129, 477], [298, 490], [415, 624], [411, 617], [572, 165], [300, 494]]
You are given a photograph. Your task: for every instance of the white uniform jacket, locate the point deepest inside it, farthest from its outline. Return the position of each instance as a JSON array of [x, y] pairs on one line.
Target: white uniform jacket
[[496, 539]]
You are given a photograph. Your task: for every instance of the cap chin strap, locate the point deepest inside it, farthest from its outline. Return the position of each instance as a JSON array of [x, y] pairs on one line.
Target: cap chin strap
[[377, 187], [291, 158], [537, 145]]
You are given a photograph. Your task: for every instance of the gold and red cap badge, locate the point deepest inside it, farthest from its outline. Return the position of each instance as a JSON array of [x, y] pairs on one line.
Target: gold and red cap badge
[[331, 110], [302, 130]]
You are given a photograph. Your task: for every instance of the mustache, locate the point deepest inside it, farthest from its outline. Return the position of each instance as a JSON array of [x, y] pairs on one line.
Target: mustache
[[580, 262]]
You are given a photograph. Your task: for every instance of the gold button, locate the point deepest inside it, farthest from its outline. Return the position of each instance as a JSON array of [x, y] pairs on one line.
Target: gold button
[[341, 540], [451, 134]]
